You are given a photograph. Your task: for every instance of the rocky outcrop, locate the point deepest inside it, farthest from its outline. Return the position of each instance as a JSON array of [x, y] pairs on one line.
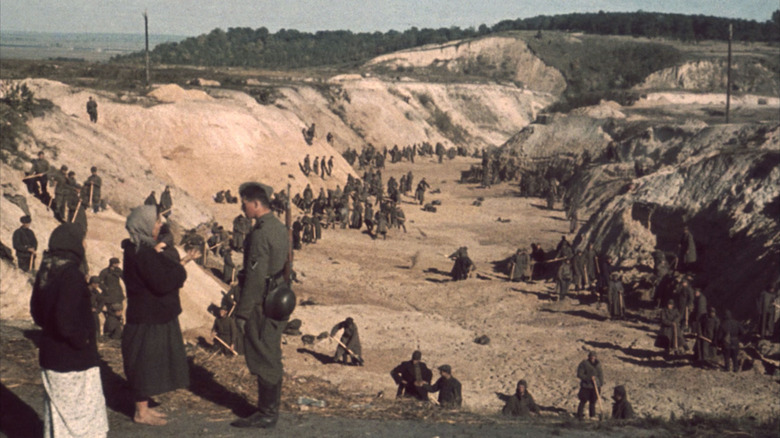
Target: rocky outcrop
[[711, 75]]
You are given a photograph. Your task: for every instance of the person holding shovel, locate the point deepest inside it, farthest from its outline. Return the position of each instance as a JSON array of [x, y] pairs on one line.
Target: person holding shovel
[[350, 340], [591, 379]]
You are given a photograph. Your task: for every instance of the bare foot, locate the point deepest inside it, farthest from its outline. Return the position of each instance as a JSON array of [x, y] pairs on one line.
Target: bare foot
[[150, 419], [156, 413]]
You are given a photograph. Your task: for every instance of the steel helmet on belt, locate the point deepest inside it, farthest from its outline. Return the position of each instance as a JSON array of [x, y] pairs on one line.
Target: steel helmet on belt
[[280, 303]]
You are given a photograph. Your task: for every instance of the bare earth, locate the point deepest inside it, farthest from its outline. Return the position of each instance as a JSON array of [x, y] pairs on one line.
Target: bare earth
[[401, 306]]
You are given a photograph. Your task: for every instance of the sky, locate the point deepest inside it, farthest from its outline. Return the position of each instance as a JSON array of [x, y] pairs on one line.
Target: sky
[[195, 17]]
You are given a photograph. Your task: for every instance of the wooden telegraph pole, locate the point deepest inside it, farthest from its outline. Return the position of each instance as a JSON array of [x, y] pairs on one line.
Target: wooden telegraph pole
[[146, 34], [728, 76]]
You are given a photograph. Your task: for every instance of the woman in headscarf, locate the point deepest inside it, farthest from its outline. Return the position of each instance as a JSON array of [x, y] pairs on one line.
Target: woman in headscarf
[[74, 405], [152, 344]]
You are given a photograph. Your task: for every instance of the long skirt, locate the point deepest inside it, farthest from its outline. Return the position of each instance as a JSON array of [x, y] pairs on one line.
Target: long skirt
[[154, 358], [74, 405]]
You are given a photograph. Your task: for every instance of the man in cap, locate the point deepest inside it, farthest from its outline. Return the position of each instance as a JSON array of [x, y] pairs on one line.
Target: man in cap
[[109, 277], [411, 377], [92, 110], [621, 408], [448, 387], [91, 191], [521, 404], [351, 339], [25, 244], [591, 379], [730, 332], [265, 255], [563, 279]]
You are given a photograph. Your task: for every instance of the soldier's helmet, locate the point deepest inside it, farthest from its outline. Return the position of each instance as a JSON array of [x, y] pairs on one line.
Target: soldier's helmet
[[280, 303]]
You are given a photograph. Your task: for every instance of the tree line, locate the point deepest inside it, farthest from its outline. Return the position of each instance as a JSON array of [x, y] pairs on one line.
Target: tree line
[[289, 48]]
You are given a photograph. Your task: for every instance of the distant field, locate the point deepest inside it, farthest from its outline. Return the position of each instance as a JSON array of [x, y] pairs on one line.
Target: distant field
[[78, 46]]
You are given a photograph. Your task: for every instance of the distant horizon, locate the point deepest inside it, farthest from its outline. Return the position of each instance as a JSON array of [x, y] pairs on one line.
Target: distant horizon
[[197, 17]]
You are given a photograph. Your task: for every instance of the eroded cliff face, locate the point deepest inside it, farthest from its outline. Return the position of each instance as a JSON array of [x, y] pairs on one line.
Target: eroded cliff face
[[721, 181], [711, 75], [503, 54]]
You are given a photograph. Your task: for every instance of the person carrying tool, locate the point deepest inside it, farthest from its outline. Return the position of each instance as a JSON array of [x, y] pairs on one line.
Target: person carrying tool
[[591, 379], [348, 351]]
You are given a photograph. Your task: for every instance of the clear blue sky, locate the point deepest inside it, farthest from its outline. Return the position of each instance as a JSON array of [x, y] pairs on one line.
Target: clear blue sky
[[194, 17]]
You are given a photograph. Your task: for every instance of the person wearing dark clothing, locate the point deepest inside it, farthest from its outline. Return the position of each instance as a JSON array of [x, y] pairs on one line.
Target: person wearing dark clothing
[[684, 300], [767, 312], [225, 329], [615, 297], [241, 227], [166, 202], [350, 338], [697, 320], [463, 264], [91, 190], [68, 355], [521, 404], [730, 332], [151, 199], [60, 191], [95, 301], [92, 110], [687, 248], [25, 244], [40, 168], [563, 279], [419, 194], [578, 270], [564, 250], [448, 387], [604, 272], [621, 408], [521, 263], [112, 328], [152, 345], [229, 266], [670, 335], [411, 377], [109, 284], [591, 380], [265, 255], [710, 329]]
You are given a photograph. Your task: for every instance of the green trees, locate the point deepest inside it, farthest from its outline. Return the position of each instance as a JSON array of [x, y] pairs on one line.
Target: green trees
[[289, 48]]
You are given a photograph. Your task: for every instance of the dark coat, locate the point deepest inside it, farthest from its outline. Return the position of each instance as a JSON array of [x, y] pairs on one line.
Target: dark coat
[[687, 248], [153, 281], [670, 321], [449, 392], [616, 298], [23, 239], [586, 371], [520, 406], [61, 306], [350, 337], [109, 283], [405, 373], [621, 409]]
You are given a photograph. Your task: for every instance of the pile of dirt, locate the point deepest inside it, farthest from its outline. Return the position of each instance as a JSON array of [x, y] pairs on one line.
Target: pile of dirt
[[175, 93]]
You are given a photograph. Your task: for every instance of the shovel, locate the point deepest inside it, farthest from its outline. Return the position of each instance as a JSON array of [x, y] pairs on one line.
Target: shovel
[[355, 356]]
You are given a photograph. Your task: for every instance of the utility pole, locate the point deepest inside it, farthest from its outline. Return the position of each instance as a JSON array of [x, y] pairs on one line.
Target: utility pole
[[728, 76], [146, 33]]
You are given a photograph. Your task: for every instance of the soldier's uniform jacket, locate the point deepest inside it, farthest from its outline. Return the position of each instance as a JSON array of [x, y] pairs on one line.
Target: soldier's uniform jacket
[[265, 253]]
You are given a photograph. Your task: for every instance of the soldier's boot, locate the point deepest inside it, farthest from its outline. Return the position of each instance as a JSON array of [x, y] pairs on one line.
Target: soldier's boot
[[268, 407]]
